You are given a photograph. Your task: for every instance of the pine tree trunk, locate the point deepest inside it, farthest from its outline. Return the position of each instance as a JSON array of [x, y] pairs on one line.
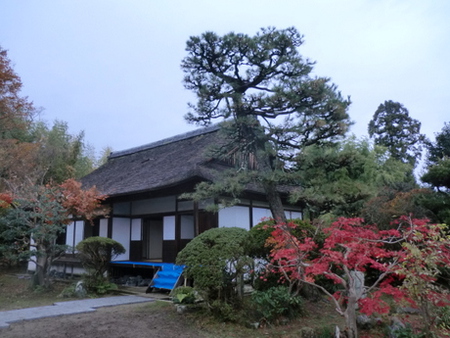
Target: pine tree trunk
[[275, 203], [269, 185], [251, 128]]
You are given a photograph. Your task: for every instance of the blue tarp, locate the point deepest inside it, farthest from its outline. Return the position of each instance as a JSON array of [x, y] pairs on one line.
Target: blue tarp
[[166, 277], [156, 264]]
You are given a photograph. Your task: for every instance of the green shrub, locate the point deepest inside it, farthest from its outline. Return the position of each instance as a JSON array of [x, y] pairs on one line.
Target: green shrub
[[443, 318], [217, 263], [95, 254], [104, 287], [68, 292], [408, 332], [183, 295], [224, 311], [275, 303], [256, 245]]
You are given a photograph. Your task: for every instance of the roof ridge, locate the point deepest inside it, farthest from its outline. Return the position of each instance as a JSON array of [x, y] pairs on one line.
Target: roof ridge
[[165, 141]]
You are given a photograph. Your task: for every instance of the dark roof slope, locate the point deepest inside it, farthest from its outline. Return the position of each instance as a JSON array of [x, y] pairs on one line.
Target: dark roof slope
[[155, 165]]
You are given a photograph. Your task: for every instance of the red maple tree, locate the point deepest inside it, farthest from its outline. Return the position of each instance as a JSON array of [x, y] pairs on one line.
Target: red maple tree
[[413, 250], [85, 203]]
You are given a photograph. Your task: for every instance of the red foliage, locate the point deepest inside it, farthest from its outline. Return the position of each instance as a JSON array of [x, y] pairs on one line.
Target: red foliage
[[353, 246], [82, 203], [5, 200]]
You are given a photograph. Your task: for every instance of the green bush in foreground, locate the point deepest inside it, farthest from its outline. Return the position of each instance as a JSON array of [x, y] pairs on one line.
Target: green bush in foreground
[[183, 295], [275, 303], [95, 254], [217, 263]]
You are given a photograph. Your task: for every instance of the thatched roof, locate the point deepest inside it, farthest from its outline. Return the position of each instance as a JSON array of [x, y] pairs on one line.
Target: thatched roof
[[155, 166]]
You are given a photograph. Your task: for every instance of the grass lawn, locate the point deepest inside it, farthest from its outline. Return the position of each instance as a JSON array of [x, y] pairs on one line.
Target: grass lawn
[[15, 292]]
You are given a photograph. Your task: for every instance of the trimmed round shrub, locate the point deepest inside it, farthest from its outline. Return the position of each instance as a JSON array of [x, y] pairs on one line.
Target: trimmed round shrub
[[217, 263], [95, 254]]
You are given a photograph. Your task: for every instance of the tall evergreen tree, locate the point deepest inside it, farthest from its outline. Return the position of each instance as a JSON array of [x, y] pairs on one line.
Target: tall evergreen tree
[[441, 147], [273, 107], [437, 175], [393, 128]]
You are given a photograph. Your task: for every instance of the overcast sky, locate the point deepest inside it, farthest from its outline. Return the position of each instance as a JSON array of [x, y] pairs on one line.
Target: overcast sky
[[112, 67]]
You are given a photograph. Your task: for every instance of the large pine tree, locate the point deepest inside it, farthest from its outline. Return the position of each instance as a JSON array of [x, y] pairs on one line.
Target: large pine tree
[[273, 107]]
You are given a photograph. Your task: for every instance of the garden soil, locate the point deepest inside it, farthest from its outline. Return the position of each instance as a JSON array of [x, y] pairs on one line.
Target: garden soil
[[125, 321]]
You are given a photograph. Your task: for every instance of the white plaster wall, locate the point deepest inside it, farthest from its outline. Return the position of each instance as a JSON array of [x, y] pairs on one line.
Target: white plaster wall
[[69, 270], [74, 234], [121, 234], [31, 266], [293, 214], [169, 228], [236, 216], [79, 232], [70, 235], [136, 229], [259, 214], [103, 228]]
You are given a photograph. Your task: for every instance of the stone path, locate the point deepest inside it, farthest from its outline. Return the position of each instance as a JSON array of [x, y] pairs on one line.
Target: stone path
[[66, 308]]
